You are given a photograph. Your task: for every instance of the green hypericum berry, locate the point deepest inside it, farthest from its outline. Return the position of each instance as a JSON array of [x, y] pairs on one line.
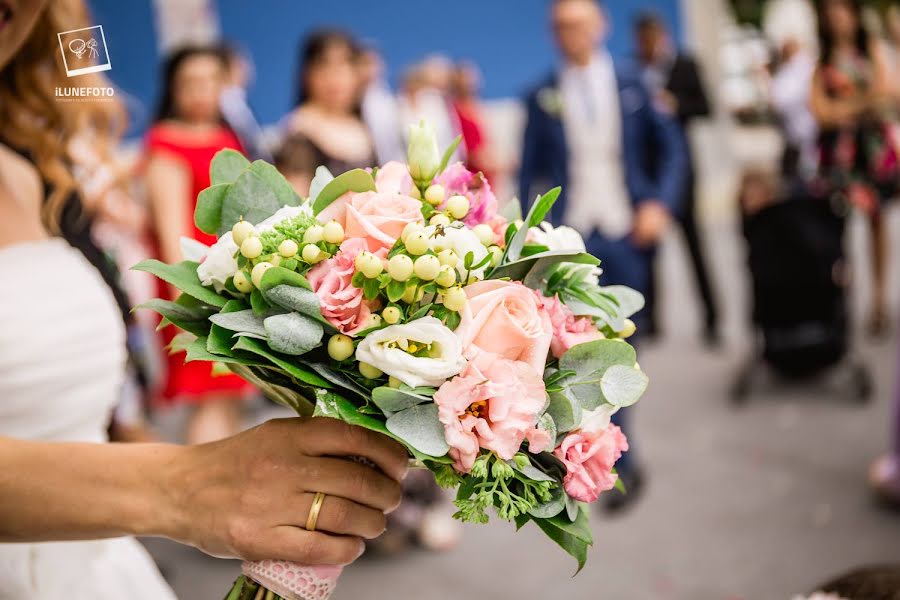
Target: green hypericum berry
[[400, 267], [427, 267], [258, 271], [241, 231], [434, 195], [484, 233], [369, 372], [340, 347], [391, 315], [242, 283], [417, 243], [313, 235], [455, 299], [458, 206], [333, 232], [288, 248], [251, 247]]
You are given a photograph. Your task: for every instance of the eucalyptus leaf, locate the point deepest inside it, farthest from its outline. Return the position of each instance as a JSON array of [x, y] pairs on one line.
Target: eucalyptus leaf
[[546, 423], [250, 198], [552, 507], [630, 301], [420, 428], [598, 354], [208, 212], [240, 321], [293, 333], [571, 508], [623, 386], [197, 351], [226, 166], [183, 276], [530, 472], [357, 180], [279, 275], [322, 177], [565, 411], [283, 190], [392, 400], [294, 298]]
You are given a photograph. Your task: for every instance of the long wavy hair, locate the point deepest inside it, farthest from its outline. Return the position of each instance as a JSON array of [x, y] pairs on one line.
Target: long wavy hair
[[826, 37], [34, 121]]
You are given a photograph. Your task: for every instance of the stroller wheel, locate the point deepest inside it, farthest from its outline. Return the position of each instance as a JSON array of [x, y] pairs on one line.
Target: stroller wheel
[[861, 384]]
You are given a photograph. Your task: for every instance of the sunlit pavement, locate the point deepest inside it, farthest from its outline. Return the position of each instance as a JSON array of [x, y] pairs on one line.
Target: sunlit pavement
[[755, 503]]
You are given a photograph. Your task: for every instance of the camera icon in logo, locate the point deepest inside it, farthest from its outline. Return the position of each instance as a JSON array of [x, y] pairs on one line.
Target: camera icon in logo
[[84, 50]]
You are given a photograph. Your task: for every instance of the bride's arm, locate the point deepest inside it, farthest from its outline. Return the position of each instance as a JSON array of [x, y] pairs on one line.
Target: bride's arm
[[245, 496]]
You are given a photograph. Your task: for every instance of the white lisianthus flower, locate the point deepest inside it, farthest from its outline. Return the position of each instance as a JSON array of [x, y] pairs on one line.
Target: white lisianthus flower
[[564, 238], [392, 350], [461, 240], [220, 264], [598, 419]]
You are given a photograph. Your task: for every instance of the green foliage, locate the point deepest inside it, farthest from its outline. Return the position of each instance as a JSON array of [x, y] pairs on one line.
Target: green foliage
[[418, 426], [448, 154], [493, 482], [226, 166], [291, 228], [601, 371], [302, 375], [292, 333], [392, 400], [194, 319], [357, 180], [535, 215], [534, 270], [183, 276]]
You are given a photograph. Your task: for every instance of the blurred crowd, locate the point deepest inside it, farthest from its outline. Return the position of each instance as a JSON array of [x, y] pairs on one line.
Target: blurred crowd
[[613, 133]]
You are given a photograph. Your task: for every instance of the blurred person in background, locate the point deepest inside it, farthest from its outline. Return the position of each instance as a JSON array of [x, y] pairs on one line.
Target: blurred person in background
[[471, 118], [187, 133], [851, 93], [326, 127], [673, 80], [379, 108], [592, 128], [790, 91], [426, 95], [234, 106], [884, 474]]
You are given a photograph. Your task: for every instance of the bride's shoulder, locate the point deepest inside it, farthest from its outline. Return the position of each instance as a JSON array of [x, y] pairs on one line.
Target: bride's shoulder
[[21, 195]]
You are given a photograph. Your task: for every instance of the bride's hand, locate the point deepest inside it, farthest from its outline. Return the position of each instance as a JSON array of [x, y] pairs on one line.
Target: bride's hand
[[250, 495]]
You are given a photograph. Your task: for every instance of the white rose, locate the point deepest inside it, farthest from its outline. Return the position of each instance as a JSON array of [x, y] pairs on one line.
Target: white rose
[[220, 264], [564, 238], [387, 350], [461, 240]]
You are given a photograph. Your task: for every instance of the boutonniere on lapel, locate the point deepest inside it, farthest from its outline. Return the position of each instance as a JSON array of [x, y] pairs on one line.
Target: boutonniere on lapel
[[550, 100]]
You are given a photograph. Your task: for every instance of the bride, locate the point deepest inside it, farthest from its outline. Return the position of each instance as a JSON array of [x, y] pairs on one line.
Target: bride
[[66, 498]]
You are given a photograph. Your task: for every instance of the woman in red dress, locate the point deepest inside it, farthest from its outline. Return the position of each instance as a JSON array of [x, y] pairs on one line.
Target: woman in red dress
[[179, 148]]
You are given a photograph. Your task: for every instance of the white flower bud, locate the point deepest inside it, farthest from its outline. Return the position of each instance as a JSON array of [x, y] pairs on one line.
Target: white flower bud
[[423, 155]]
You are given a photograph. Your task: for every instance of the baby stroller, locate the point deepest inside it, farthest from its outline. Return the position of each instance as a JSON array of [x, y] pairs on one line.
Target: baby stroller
[[799, 280]]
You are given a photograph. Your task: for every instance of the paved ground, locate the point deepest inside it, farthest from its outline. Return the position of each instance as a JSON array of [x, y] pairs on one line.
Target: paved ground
[[758, 503]]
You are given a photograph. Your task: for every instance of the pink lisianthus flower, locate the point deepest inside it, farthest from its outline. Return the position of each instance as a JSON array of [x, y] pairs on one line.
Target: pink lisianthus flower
[[343, 304], [589, 457], [494, 403], [506, 318], [568, 330], [458, 180], [377, 217]]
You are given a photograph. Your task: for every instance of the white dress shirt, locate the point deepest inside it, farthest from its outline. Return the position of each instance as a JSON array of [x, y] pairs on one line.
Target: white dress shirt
[[597, 194]]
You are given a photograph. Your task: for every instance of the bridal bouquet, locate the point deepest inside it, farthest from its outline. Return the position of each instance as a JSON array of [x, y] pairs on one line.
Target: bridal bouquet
[[399, 299]]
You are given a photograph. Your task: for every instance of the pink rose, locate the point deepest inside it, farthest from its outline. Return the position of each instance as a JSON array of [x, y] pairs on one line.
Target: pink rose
[[568, 330], [343, 305], [493, 404], [504, 317], [457, 180], [589, 457], [380, 216]]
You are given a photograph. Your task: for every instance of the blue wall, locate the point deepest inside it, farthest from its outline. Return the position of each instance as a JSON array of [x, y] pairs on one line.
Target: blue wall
[[509, 39]]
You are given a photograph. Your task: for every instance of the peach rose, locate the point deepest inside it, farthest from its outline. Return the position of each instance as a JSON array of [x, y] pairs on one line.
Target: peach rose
[[342, 304], [568, 330], [493, 404], [380, 216], [589, 457], [505, 318]]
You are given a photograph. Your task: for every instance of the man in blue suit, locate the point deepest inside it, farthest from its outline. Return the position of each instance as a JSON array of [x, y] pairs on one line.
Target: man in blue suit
[[592, 128]]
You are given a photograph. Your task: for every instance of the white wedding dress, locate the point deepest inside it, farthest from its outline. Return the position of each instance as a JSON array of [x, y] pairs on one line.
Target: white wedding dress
[[62, 355]]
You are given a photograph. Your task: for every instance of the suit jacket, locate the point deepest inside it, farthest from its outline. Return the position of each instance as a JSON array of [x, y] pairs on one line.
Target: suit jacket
[[684, 83], [646, 134]]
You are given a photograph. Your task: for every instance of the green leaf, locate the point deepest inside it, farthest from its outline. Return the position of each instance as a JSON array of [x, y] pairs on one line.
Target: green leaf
[[530, 472], [250, 197], [540, 265], [571, 508], [277, 183], [357, 180], [623, 386], [279, 275], [322, 177], [448, 154], [546, 423], [192, 319], [183, 276], [395, 290], [629, 301], [294, 298], [565, 411], [296, 371], [392, 400], [198, 351], [535, 215], [292, 333], [258, 302], [574, 546], [339, 379], [226, 166], [580, 527], [371, 288], [240, 321], [552, 507], [208, 212], [420, 428], [590, 361], [512, 211]]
